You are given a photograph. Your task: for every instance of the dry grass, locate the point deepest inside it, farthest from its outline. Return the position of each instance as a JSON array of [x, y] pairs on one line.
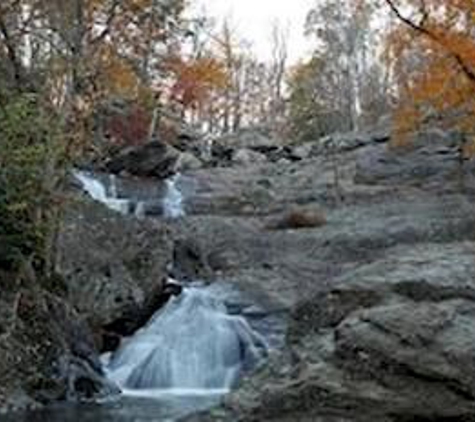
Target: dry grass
[[298, 219]]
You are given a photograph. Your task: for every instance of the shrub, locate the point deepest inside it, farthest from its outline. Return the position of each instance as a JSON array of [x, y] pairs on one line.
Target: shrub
[[30, 154], [298, 219]]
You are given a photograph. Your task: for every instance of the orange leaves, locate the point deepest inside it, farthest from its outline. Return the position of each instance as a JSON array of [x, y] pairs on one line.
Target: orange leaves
[[197, 78], [117, 77], [433, 53]]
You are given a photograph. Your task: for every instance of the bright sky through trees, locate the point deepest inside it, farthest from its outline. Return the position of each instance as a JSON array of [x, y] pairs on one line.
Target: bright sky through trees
[[254, 20]]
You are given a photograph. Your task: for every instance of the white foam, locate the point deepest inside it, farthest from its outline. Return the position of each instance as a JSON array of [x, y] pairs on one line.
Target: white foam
[[190, 347], [97, 191], [173, 200]]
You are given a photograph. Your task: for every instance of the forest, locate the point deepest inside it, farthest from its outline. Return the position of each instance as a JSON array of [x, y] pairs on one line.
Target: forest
[[66, 63], [83, 82]]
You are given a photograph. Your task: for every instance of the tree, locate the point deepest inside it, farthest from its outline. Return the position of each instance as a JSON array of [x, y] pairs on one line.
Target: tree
[[196, 80], [306, 110], [60, 61], [433, 55]]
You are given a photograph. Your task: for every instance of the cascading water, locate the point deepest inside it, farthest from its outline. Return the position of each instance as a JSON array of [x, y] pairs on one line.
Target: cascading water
[[104, 189], [97, 191], [173, 200], [191, 346], [191, 352]]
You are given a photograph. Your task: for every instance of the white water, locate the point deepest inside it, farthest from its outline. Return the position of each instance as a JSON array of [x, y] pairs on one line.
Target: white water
[[98, 192], [191, 347], [173, 200]]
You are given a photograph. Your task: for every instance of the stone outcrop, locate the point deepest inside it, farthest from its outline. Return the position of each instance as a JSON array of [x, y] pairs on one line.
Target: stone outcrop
[[380, 299], [155, 159], [114, 266], [47, 352]]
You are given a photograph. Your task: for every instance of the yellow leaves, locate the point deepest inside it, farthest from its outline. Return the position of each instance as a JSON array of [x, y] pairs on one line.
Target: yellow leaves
[[117, 76], [197, 78]]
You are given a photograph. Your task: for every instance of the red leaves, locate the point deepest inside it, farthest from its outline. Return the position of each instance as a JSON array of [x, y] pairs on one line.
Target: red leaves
[[131, 128]]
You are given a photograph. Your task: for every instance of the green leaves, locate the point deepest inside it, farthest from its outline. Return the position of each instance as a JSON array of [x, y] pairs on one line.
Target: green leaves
[[29, 149]]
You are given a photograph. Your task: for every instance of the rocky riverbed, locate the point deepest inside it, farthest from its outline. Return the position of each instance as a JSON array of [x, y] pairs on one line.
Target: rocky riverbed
[[368, 253]]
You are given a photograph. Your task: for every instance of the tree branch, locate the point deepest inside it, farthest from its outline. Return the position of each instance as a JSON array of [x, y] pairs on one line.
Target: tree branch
[[422, 29]]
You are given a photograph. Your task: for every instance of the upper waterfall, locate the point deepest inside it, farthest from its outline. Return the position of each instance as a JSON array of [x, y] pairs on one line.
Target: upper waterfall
[[162, 198], [98, 191]]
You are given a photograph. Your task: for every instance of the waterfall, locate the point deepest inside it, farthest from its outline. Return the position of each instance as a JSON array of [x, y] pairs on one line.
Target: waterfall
[[190, 347], [104, 189], [173, 200], [97, 191]]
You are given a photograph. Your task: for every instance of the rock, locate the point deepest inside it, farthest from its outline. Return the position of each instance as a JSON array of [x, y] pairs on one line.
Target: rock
[[114, 266], [187, 161], [304, 151], [190, 261], [247, 138], [380, 299], [155, 159], [47, 352], [377, 346], [247, 157], [221, 155], [430, 158]]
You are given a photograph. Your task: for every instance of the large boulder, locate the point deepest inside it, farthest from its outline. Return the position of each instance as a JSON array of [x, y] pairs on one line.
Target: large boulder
[[247, 157], [392, 341], [187, 161], [114, 266], [155, 159]]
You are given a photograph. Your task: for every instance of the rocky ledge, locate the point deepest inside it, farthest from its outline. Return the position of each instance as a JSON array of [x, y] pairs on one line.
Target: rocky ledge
[[380, 294]]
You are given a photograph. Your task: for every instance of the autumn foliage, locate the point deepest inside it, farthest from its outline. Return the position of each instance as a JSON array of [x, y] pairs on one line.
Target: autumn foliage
[[196, 79], [131, 128], [432, 52]]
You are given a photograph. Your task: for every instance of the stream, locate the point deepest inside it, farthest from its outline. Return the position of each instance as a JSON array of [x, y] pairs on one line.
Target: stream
[[192, 352]]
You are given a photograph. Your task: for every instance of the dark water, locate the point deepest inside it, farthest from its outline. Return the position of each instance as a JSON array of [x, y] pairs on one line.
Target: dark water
[[126, 409]]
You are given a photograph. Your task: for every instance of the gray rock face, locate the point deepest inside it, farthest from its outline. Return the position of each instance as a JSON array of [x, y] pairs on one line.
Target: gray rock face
[[114, 266], [155, 159], [432, 159], [246, 157], [47, 352], [381, 299], [187, 161], [391, 341]]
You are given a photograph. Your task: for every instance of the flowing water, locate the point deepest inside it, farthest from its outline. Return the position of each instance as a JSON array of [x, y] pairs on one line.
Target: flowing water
[[184, 360], [192, 346], [135, 197], [98, 191], [191, 352]]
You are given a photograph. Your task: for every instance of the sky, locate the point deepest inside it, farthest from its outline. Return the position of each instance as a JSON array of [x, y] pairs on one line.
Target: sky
[[253, 19]]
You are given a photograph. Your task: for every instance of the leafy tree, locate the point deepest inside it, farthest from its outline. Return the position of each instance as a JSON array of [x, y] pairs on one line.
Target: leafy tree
[[31, 157], [306, 117], [433, 55]]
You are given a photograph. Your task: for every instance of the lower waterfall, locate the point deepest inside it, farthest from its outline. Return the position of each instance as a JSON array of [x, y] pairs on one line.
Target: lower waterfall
[[190, 347]]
